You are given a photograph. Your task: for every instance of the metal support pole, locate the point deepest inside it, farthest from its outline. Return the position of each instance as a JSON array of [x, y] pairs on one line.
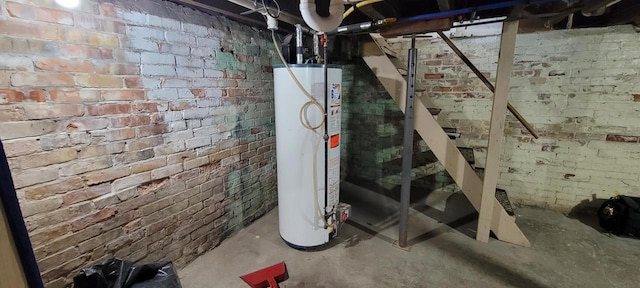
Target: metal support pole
[[325, 69], [299, 49], [407, 146], [316, 47]]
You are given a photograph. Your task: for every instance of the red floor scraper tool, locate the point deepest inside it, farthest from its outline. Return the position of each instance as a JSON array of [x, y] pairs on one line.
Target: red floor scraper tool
[[266, 277]]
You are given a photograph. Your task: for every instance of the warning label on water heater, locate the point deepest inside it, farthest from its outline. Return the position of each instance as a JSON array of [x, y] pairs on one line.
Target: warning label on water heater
[[334, 120], [334, 141], [334, 95]]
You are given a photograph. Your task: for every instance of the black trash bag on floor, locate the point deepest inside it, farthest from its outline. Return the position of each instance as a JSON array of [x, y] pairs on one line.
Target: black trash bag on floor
[[153, 276], [116, 273], [620, 215], [110, 274]]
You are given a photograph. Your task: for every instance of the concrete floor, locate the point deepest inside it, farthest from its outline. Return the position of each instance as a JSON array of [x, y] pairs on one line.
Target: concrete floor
[[565, 253]]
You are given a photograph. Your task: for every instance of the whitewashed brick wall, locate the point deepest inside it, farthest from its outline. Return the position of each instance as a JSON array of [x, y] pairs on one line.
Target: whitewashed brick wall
[[579, 88]]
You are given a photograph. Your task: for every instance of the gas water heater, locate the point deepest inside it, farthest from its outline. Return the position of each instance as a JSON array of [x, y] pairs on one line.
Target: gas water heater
[[308, 166]]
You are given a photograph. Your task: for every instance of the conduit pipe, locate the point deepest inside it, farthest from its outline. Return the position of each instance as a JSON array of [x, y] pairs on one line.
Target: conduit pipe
[[317, 22]]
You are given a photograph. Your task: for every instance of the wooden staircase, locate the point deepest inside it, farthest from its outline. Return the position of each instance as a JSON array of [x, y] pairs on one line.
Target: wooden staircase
[[379, 57], [401, 68]]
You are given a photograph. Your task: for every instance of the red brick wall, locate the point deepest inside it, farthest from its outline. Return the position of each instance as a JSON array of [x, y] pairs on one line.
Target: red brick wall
[[140, 130]]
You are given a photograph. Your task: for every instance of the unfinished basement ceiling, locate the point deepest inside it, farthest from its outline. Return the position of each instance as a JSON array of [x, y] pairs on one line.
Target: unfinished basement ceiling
[[586, 13]]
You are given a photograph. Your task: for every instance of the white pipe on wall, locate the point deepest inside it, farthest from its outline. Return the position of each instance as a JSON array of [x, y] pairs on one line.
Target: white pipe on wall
[[319, 23]]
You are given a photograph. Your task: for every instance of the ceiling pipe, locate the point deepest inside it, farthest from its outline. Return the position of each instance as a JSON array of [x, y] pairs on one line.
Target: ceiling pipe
[[319, 23], [597, 7], [284, 16], [493, 6]]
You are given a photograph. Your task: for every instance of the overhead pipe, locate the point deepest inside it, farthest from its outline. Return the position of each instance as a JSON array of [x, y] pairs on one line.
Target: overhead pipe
[[319, 23], [299, 48], [358, 27], [494, 6], [249, 4], [597, 7]]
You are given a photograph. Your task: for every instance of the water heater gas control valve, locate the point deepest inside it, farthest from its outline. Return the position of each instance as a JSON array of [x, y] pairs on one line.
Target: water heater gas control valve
[[343, 212]]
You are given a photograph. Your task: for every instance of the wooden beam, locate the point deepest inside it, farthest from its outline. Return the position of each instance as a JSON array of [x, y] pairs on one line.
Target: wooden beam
[[416, 27], [221, 11], [624, 13], [496, 128], [502, 224], [11, 273]]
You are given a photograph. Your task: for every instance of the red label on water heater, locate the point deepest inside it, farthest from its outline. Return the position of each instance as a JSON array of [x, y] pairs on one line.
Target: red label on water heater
[[334, 141]]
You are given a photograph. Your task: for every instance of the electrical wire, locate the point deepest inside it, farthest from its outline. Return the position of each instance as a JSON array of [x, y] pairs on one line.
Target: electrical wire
[[360, 4], [267, 9], [305, 123], [312, 101]]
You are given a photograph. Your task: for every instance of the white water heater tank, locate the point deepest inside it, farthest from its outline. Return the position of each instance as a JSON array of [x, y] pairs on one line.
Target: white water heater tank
[[301, 225]]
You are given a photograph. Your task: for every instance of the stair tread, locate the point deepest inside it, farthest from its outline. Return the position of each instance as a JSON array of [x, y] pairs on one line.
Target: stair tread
[[501, 194], [453, 136], [421, 159], [467, 153], [479, 171], [503, 199], [434, 111]]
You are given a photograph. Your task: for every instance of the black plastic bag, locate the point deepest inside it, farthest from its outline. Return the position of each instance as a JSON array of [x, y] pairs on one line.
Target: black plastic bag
[[112, 273], [620, 215], [116, 273], [153, 276]]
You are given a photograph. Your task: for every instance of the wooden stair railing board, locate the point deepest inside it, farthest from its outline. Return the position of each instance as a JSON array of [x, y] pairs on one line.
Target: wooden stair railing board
[[496, 129]]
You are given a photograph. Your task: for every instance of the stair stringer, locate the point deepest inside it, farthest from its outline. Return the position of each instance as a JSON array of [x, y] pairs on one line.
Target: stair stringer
[[395, 61], [502, 225]]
